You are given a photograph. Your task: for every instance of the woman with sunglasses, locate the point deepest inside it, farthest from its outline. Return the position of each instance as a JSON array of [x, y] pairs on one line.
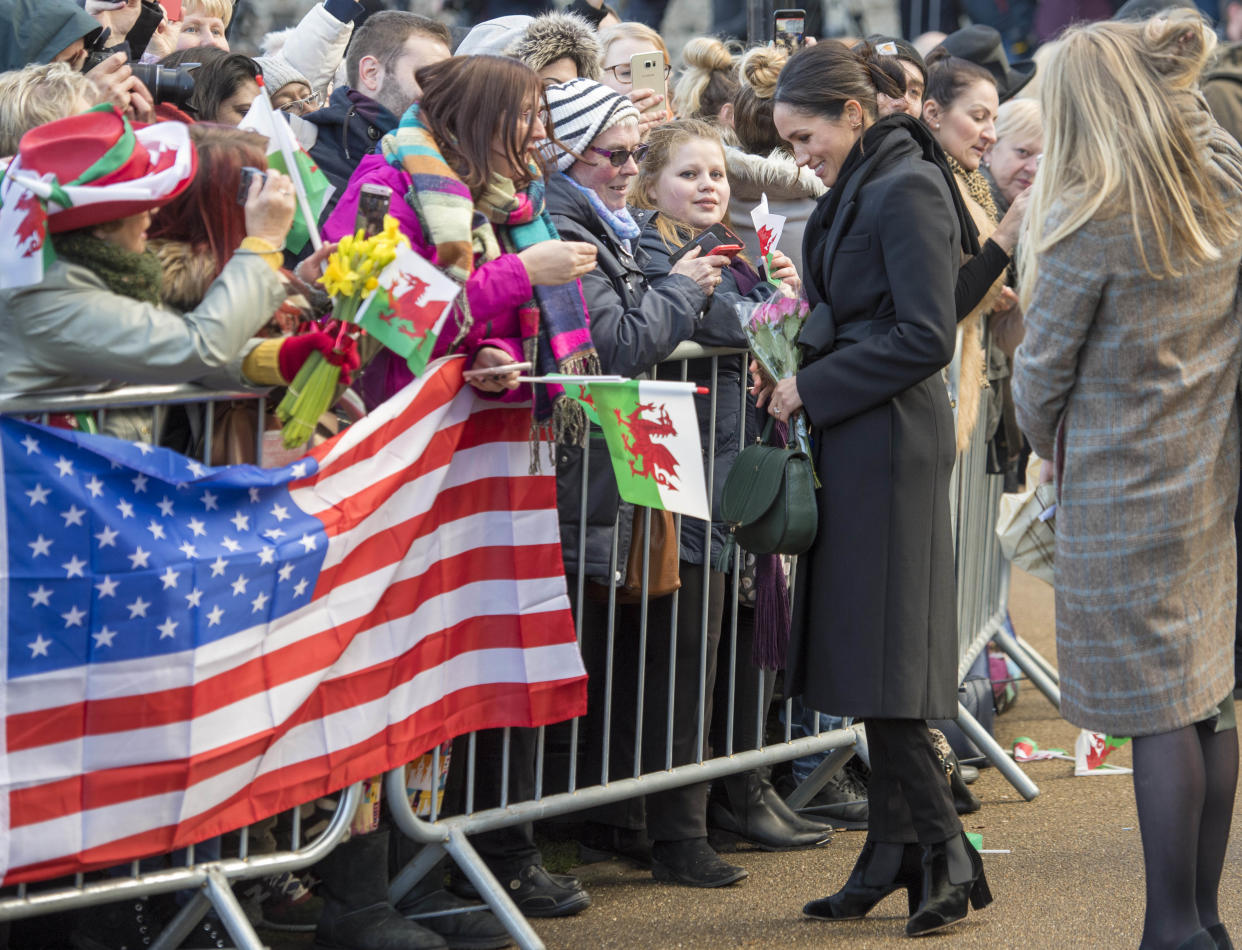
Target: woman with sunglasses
[[635, 323]]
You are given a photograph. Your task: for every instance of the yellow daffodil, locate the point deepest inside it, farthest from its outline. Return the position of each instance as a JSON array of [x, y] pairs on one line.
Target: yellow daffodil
[[338, 280]]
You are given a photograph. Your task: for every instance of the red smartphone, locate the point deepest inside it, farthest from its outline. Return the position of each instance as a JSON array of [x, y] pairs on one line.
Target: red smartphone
[[728, 250]]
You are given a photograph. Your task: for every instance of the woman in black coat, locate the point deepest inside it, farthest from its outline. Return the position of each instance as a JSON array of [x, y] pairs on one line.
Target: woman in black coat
[[874, 618]]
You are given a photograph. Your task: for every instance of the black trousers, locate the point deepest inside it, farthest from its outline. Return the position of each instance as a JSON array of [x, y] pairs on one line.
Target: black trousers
[[909, 796], [506, 850], [681, 813]]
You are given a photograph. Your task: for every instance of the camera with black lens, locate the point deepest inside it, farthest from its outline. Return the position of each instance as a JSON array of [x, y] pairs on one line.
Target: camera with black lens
[[172, 84]]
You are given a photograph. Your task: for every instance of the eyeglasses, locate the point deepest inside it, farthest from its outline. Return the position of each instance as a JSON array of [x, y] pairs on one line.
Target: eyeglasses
[[625, 75], [301, 106], [541, 114], [619, 156]]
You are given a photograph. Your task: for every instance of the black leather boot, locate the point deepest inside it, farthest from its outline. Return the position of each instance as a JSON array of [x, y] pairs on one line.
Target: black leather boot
[[356, 912], [1199, 940], [1221, 936], [772, 798], [742, 812], [952, 876], [881, 869]]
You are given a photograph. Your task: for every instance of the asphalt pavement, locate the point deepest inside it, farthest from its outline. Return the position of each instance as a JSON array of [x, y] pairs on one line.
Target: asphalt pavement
[[1070, 875]]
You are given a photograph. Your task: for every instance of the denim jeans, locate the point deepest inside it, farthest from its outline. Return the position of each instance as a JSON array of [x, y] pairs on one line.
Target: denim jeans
[[803, 724]]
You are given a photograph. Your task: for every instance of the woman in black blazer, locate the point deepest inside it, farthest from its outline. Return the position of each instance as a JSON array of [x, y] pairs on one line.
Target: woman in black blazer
[[874, 620]]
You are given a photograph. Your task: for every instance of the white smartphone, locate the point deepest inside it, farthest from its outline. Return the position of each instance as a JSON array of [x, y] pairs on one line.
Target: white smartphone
[[489, 372], [647, 72]]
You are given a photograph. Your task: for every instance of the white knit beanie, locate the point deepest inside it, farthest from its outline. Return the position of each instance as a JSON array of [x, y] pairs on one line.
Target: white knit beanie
[[278, 73], [582, 110], [494, 37]]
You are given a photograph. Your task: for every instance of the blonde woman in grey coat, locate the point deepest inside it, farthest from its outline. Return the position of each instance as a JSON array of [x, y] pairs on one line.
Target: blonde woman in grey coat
[[1128, 378]]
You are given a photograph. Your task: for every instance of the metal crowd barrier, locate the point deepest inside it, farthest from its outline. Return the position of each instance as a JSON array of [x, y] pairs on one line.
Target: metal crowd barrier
[[982, 590], [211, 879]]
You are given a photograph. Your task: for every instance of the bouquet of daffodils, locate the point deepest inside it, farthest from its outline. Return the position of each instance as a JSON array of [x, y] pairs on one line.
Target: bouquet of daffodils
[[351, 275], [772, 327]]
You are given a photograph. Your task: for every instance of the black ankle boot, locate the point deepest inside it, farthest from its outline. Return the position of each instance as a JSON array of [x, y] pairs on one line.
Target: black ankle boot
[[741, 812], [772, 798], [1200, 940], [952, 875], [881, 869], [356, 912], [692, 862], [1221, 936]]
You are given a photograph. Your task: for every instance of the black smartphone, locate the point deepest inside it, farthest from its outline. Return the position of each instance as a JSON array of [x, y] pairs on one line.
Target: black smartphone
[[248, 174], [714, 240], [788, 29]]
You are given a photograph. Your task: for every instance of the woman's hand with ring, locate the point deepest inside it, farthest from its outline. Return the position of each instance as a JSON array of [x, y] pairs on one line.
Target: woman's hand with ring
[[785, 398]]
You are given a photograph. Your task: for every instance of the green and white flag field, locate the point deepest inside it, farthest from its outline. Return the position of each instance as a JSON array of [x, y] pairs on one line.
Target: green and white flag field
[[652, 432], [285, 155]]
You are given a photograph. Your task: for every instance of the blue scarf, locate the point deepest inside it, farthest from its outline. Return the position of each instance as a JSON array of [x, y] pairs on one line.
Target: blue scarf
[[619, 222]]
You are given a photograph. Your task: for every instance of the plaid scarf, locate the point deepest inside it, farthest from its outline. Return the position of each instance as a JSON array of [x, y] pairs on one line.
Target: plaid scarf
[[554, 325]]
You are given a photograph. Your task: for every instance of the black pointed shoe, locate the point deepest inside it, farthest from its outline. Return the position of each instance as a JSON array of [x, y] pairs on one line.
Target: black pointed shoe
[[882, 868], [741, 812], [952, 877]]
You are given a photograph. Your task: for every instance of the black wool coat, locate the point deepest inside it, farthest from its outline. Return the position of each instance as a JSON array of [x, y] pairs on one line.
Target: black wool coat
[[874, 614]]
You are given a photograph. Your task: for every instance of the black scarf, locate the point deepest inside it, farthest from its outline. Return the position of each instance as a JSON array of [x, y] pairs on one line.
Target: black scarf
[[863, 160]]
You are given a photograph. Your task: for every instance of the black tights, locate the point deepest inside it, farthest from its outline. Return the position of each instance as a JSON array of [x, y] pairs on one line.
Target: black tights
[[1184, 784]]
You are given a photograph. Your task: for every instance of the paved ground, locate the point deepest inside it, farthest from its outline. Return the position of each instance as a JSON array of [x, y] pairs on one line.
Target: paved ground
[[1072, 879]]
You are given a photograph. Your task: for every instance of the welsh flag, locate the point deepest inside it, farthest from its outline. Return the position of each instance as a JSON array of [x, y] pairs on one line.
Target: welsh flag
[[286, 156], [652, 432], [408, 310]]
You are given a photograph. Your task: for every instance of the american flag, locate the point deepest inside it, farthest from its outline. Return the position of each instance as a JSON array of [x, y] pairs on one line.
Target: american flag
[[189, 649]]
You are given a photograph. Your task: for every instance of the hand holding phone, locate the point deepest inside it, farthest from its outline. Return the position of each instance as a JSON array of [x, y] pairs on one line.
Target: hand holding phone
[[788, 29], [647, 72], [714, 240]]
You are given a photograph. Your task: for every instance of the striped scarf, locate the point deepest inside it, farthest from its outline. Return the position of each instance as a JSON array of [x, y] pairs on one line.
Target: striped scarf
[[464, 229]]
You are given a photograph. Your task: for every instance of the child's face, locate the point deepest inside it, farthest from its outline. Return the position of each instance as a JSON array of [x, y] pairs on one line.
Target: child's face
[[199, 29]]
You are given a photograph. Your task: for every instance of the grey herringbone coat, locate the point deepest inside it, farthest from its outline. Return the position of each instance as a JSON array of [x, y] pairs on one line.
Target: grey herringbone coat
[[1141, 377]]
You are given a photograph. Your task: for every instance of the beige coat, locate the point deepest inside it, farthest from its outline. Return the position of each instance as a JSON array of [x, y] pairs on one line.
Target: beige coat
[[974, 377], [1132, 383]]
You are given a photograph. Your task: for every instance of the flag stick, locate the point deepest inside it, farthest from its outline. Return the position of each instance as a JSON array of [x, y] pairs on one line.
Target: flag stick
[[312, 225], [586, 380]]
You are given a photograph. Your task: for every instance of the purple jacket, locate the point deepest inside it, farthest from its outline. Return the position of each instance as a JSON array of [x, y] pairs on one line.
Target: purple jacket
[[495, 290]]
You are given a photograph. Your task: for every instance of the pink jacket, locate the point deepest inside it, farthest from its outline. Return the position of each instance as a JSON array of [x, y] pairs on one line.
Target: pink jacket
[[495, 289]]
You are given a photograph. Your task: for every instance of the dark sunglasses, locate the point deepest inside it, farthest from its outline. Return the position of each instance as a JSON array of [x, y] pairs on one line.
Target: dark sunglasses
[[619, 156]]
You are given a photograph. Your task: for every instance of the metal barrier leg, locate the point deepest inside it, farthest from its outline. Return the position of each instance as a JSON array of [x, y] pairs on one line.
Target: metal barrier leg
[[819, 777], [1034, 670], [490, 890], [231, 912], [1040, 659], [174, 934], [995, 754], [418, 868]]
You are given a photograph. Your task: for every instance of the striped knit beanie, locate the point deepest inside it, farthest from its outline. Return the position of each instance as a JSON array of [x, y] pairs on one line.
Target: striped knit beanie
[[582, 110]]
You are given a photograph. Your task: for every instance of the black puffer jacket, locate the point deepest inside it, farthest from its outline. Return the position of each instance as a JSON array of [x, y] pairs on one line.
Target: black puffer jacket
[[635, 323], [720, 326]]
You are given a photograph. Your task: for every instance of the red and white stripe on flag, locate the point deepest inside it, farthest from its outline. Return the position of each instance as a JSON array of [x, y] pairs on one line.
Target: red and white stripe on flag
[[441, 608]]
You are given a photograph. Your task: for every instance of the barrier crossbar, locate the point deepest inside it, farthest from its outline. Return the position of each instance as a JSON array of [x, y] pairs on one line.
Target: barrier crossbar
[[982, 582]]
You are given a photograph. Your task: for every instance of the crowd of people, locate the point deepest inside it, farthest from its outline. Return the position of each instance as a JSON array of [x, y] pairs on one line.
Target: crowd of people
[[1068, 239]]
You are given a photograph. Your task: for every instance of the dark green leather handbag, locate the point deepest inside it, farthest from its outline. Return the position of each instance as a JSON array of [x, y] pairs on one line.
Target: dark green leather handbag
[[768, 503]]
